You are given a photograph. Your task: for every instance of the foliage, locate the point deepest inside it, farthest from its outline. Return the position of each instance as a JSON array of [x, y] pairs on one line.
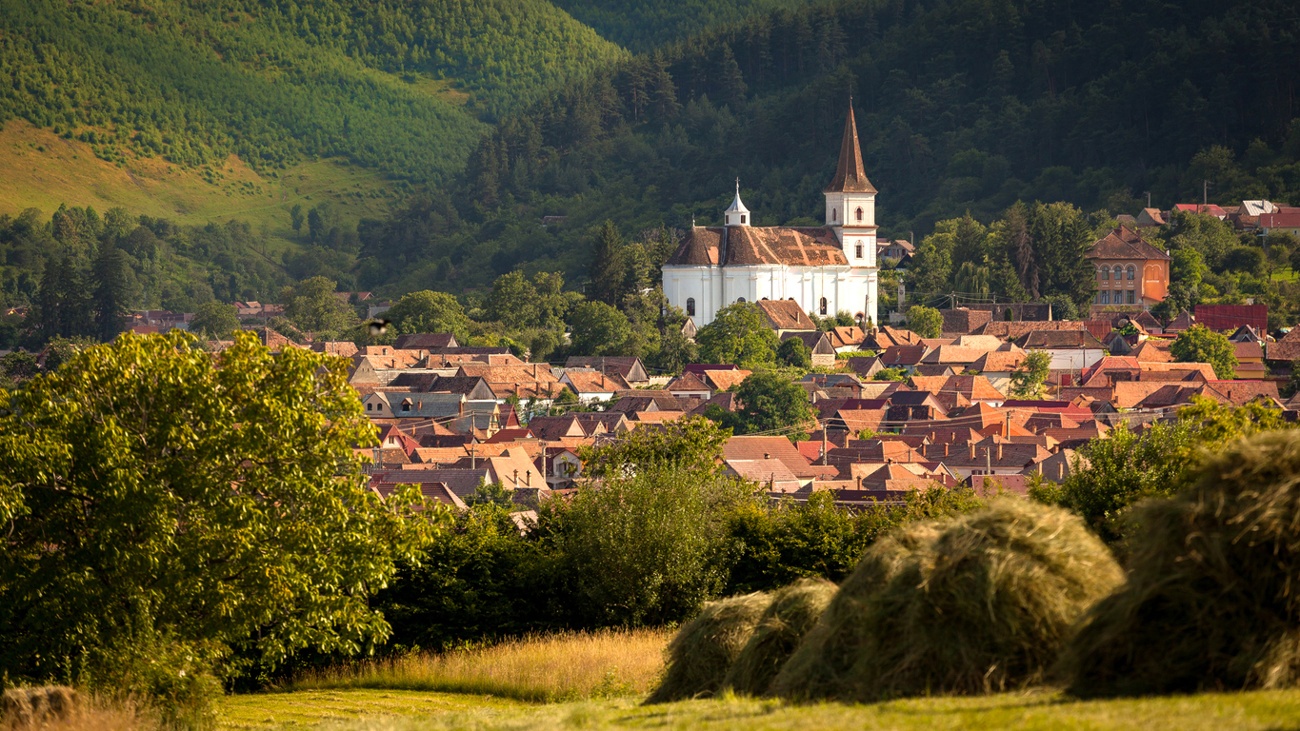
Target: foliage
[[794, 352], [771, 402], [1125, 467], [925, 321], [599, 329], [890, 374], [1210, 601], [165, 502], [214, 320], [1199, 344], [1028, 379], [18, 366], [738, 335], [427, 311], [692, 444]]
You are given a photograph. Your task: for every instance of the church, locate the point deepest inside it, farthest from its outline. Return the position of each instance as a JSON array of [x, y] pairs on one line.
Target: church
[[825, 269]]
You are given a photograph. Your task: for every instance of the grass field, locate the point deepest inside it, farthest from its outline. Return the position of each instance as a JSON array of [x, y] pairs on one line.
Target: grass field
[[542, 669], [416, 711], [39, 169]]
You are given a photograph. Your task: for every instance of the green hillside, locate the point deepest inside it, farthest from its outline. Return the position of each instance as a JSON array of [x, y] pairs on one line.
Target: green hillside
[[962, 106]]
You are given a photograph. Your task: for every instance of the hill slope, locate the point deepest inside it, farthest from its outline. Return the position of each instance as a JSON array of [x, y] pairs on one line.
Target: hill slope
[[643, 25]]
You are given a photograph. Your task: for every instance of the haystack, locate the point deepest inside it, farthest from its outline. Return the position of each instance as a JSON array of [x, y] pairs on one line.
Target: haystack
[[822, 665], [36, 706], [985, 606], [1213, 595], [794, 611], [702, 652]]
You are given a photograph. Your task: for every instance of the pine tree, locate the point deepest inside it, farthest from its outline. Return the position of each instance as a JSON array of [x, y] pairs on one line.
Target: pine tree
[[113, 281], [606, 272]]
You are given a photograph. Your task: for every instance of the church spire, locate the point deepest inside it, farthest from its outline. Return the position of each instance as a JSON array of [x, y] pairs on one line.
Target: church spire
[[850, 175]]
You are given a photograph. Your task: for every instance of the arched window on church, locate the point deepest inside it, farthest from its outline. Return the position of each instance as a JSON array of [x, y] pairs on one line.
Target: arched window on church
[[1130, 272], [823, 306], [834, 213], [1105, 273], [858, 214], [857, 250], [690, 307], [1119, 272], [740, 299]]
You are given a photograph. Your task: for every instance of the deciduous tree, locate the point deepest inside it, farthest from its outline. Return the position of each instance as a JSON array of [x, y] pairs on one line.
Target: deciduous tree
[[1199, 344]]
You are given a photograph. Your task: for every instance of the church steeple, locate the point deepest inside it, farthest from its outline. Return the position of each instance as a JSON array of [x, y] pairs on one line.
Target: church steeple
[[850, 174], [737, 214]]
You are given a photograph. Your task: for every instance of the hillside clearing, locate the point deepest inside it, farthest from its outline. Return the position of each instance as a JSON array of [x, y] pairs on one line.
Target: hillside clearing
[[415, 711]]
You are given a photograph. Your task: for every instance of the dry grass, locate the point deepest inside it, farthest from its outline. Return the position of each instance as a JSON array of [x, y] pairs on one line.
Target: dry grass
[[794, 611], [547, 668], [1212, 600], [88, 713]]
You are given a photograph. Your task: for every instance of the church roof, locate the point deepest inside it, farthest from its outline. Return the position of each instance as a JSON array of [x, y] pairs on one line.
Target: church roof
[[1124, 243], [850, 175], [753, 245], [736, 206]]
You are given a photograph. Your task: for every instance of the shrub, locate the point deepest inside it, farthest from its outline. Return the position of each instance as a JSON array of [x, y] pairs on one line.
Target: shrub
[[984, 606], [703, 651], [793, 612], [1211, 600]]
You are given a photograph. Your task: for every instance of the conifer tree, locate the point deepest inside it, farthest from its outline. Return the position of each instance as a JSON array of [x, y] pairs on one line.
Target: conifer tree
[[607, 265]]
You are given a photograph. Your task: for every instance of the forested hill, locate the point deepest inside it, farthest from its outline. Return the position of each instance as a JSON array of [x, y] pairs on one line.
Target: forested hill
[[643, 25], [962, 105], [393, 85]]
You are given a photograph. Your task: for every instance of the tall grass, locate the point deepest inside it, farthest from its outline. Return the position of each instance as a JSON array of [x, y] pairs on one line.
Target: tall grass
[[547, 668]]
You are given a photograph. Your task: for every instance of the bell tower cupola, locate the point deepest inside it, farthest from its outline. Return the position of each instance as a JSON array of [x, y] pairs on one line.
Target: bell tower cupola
[[737, 214]]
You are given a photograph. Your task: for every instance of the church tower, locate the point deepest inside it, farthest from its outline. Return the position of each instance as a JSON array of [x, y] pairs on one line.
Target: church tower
[[736, 214], [851, 201]]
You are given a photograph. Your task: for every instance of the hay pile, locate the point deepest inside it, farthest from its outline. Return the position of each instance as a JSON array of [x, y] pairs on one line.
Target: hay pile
[[702, 652], [1213, 595], [35, 707], [794, 611], [981, 603]]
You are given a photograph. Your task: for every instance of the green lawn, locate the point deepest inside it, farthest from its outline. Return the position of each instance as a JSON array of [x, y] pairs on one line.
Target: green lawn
[[416, 711]]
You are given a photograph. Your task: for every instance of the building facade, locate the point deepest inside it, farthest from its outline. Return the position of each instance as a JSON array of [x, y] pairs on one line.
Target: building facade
[[825, 269], [1130, 273]]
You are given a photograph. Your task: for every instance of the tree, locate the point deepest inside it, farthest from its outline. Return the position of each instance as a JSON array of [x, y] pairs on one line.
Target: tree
[[1028, 379], [599, 329], [1061, 237], [167, 506], [1124, 468], [693, 444], [925, 321], [1206, 234], [737, 335], [114, 289], [794, 352], [772, 402], [312, 307], [1199, 344], [607, 272], [18, 366], [932, 263], [427, 311], [295, 217], [215, 320]]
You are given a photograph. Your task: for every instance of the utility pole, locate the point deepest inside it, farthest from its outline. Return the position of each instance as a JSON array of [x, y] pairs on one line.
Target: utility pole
[[1205, 193], [1148, 199]]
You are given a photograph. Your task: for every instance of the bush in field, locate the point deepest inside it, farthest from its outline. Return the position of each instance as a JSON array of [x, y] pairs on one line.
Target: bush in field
[[794, 610], [165, 507], [1211, 601], [700, 655], [977, 604]]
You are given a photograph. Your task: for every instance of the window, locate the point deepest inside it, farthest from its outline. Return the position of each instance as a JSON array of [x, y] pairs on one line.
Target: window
[[742, 218], [690, 307], [834, 214], [823, 306], [369, 407], [858, 214], [1105, 298], [1105, 273], [740, 299], [1119, 273], [1130, 271], [858, 250], [1131, 295]]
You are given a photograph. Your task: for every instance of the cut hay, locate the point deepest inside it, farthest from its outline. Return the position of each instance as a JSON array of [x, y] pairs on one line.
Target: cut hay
[[703, 651], [794, 611], [37, 706], [822, 665], [986, 605], [1212, 601]]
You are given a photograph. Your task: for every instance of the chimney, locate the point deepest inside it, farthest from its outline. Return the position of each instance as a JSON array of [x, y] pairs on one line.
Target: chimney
[[528, 479], [516, 478]]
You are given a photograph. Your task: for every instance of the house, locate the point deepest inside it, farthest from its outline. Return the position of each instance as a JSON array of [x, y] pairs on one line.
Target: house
[[1205, 209], [1071, 350], [1129, 271], [629, 368], [963, 320], [425, 341], [689, 386], [1287, 221], [826, 269], [1221, 318], [847, 339], [592, 385], [819, 346], [1150, 218], [776, 447], [899, 250], [785, 317], [905, 357], [1250, 360], [1284, 352]]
